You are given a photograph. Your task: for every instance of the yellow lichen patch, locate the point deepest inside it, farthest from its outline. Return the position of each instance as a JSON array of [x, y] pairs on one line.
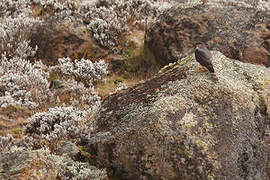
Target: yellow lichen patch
[[184, 60], [201, 136], [112, 82], [17, 131], [188, 121], [198, 135]]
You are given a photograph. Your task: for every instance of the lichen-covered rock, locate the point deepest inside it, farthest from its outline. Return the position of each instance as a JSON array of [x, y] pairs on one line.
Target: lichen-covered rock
[[238, 29], [183, 125], [40, 164]]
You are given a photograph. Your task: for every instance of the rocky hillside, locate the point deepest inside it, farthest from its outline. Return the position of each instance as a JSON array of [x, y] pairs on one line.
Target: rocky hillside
[[182, 125], [240, 30], [109, 89]]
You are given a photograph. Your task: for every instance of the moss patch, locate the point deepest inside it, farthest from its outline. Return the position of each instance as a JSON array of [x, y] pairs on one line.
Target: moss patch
[[88, 155], [140, 60], [17, 131]]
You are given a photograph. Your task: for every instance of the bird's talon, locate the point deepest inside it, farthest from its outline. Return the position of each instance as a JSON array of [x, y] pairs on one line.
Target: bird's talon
[[202, 69]]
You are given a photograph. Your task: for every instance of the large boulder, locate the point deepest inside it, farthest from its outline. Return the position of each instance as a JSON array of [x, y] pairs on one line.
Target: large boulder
[[240, 30], [183, 125]]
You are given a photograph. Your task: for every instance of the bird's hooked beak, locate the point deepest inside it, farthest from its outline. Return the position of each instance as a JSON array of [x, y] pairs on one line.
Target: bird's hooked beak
[[198, 46]]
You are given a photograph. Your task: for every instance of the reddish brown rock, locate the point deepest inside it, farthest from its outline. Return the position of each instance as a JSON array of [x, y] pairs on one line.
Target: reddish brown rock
[[256, 55], [239, 32], [57, 38], [267, 43]]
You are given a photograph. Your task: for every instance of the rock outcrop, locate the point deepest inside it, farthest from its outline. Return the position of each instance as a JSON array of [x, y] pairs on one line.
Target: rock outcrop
[[58, 37], [182, 125], [40, 164], [240, 30]]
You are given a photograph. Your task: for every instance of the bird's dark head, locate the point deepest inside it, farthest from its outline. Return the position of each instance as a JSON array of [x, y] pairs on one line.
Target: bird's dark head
[[200, 44]]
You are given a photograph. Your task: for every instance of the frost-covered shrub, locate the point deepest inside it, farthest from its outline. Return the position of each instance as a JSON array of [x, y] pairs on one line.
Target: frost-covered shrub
[[83, 69], [56, 124], [56, 4], [264, 5], [77, 82], [15, 28], [57, 7], [23, 83], [107, 19], [70, 169], [5, 141], [91, 99], [13, 8], [79, 95], [86, 96], [14, 34], [7, 100], [106, 33]]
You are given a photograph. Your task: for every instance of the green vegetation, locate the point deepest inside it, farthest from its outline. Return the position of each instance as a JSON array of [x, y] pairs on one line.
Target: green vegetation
[[140, 60], [17, 131]]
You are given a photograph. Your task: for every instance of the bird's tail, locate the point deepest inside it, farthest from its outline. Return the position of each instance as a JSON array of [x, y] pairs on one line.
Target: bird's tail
[[210, 68], [214, 77]]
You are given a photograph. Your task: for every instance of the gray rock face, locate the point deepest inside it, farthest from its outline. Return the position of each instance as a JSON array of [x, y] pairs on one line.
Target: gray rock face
[[238, 29], [182, 125]]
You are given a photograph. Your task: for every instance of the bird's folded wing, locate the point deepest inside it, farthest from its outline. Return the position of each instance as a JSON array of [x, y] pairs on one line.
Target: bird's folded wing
[[203, 56]]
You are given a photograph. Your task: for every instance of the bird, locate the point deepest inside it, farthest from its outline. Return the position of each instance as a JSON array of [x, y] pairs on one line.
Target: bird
[[204, 1], [204, 57]]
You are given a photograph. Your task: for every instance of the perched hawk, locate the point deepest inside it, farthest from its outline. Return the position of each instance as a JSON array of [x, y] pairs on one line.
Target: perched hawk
[[203, 56]]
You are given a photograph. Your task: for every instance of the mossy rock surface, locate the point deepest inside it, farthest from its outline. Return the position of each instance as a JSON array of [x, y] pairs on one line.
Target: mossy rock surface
[[182, 124], [138, 57], [40, 164]]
